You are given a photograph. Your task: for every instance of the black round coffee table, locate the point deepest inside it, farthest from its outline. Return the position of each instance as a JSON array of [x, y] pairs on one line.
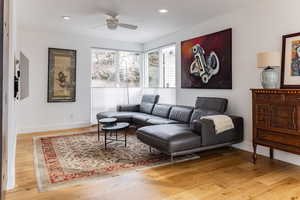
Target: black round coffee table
[[114, 129], [107, 121]]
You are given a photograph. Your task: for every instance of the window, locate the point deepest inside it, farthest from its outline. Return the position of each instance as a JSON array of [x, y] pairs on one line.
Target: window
[[153, 69], [160, 68], [129, 69], [113, 69]]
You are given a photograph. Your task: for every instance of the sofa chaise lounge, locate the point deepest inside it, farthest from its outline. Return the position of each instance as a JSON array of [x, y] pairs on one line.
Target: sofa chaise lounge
[[177, 130]]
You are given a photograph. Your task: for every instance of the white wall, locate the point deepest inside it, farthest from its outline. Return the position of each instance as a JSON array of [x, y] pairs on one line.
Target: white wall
[[256, 28], [34, 113]]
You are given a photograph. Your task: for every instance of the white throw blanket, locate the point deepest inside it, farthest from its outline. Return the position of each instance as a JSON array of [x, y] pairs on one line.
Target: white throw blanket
[[222, 122]]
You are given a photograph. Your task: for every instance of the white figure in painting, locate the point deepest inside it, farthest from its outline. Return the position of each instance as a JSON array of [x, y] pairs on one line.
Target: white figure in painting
[[204, 67]]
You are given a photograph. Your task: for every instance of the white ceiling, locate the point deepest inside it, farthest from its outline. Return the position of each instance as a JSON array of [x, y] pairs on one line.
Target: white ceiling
[[46, 15]]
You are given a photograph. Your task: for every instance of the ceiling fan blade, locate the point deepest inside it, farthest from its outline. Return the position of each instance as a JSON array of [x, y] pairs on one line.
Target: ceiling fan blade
[[129, 26]]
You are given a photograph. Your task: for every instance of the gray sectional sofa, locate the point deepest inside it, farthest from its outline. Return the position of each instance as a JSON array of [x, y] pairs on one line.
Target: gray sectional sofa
[[178, 130]]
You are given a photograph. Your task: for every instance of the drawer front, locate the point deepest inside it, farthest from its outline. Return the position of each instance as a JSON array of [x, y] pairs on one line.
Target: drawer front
[[292, 98], [262, 115], [283, 116], [279, 138], [269, 98]]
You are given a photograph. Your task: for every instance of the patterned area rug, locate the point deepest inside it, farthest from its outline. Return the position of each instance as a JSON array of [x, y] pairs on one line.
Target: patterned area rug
[[69, 159]]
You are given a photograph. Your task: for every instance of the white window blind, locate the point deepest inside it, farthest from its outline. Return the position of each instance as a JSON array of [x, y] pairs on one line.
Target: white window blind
[[160, 68], [169, 67]]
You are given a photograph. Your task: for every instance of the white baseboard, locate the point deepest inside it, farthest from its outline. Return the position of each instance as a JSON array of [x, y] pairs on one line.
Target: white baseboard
[[53, 127], [279, 155]]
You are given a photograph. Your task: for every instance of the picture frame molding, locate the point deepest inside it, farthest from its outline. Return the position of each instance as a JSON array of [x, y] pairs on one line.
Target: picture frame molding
[[282, 85], [49, 100], [229, 86]]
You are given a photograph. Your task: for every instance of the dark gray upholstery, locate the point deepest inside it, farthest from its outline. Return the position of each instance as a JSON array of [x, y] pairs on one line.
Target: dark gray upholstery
[[121, 116], [128, 108], [160, 120], [146, 107], [141, 118], [181, 113], [212, 103], [147, 120], [206, 129], [148, 102], [162, 110], [178, 130], [150, 98], [198, 113], [169, 138]]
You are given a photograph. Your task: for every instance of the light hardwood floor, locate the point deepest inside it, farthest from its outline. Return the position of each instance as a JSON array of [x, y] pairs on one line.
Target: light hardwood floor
[[219, 174]]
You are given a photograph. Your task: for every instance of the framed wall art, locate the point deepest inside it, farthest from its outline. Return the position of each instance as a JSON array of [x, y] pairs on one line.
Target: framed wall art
[[206, 61], [61, 75], [290, 69]]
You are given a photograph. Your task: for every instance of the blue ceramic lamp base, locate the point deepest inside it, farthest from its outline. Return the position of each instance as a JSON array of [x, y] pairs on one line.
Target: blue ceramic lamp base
[[270, 78]]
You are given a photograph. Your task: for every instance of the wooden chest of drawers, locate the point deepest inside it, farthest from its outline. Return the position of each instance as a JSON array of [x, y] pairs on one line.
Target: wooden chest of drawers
[[276, 120]]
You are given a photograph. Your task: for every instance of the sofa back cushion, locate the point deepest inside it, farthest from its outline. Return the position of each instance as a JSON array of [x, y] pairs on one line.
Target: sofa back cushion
[[212, 104], [162, 110], [148, 102], [181, 113], [146, 107], [148, 98], [198, 113]]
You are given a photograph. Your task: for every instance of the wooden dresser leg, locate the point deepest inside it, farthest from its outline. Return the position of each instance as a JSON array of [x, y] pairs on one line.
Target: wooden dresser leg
[[271, 153], [254, 153]]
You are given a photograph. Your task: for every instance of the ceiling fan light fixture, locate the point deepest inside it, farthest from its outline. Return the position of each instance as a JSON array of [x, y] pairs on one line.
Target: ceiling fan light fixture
[[66, 17], [112, 26], [112, 23], [163, 11]]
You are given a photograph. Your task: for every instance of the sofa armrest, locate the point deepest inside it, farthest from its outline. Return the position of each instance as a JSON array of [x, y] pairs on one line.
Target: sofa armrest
[[206, 129], [128, 108]]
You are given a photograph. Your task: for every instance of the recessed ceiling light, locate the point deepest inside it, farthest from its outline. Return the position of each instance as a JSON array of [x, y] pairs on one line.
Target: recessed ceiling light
[[66, 17], [163, 11]]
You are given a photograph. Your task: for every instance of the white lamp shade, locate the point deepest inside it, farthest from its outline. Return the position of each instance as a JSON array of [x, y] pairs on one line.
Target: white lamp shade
[[268, 59]]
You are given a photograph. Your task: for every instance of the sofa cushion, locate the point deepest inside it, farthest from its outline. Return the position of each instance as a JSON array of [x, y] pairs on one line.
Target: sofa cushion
[[169, 138], [198, 113], [160, 120], [146, 107], [162, 110], [181, 113], [147, 98], [147, 120], [140, 118], [121, 116], [212, 103], [128, 108]]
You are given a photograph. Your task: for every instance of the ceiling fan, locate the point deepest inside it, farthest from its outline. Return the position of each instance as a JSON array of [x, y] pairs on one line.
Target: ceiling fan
[[112, 23]]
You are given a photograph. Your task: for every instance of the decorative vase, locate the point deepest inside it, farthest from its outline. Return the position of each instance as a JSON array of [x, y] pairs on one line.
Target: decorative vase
[[270, 78]]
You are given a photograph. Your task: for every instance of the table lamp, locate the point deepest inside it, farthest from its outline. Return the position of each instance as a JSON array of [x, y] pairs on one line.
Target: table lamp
[[269, 76]]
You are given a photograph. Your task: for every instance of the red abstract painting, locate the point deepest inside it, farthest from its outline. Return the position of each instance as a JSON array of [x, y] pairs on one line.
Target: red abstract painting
[[206, 61]]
